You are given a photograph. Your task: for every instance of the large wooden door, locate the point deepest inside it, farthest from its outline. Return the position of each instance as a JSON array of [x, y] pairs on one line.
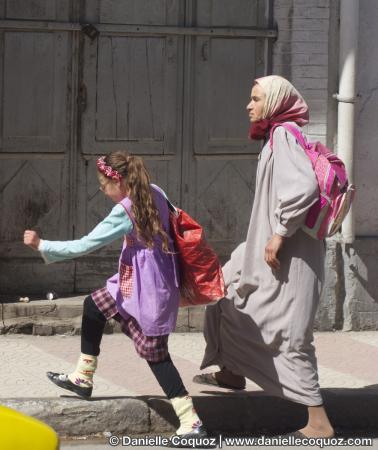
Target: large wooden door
[[35, 87], [169, 80], [165, 79], [132, 83], [219, 160]]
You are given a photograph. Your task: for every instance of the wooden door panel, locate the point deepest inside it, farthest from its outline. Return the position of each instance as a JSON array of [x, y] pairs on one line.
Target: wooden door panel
[[224, 70], [235, 13], [133, 86], [35, 10], [132, 89], [221, 200], [136, 12], [33, 195], [35, 138], [129, 89], [35, 79], [220, 159]]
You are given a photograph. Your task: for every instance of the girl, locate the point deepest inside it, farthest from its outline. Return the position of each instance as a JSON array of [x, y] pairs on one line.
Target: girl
[[263, 330], [143, 296]]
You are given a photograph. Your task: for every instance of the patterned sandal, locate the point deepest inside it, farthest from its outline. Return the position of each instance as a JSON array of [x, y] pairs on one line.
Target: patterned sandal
[[61, 380], [211, 380]]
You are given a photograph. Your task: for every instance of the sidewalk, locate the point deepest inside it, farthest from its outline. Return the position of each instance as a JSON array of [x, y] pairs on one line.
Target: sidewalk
[[128, 400]]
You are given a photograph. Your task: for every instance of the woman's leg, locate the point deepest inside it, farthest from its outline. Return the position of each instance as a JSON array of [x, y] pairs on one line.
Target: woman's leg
[[229, 378], [223, 378], [92, 327], [318, 424]]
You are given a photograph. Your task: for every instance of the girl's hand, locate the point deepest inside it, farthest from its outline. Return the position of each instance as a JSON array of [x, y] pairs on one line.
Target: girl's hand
[[271, 251], [31, 239]]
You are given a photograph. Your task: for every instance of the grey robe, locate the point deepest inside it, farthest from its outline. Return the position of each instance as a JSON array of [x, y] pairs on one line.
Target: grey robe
[[263, 329]]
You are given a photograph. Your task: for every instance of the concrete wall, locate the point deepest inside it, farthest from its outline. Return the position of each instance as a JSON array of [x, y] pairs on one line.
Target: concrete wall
[[366, 160], [306, 52], [306, 37], [360, 305], [359, 261]]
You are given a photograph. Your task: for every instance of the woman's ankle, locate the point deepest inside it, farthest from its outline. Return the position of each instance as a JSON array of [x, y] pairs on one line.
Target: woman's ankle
[[318, 422], [228, 372], [227, 377]]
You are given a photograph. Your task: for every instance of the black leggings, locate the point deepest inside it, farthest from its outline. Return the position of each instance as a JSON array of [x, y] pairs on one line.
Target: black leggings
[[92, 329]]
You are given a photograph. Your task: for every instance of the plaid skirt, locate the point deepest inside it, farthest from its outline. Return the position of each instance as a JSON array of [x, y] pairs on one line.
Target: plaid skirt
[[150, 348]]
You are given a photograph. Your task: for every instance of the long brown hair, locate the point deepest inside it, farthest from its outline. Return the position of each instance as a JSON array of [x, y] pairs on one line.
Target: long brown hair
[[136, 180]]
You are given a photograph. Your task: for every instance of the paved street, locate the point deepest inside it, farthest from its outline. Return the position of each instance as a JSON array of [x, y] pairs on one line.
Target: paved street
[[346, 360], [98, 446], [127, 396]]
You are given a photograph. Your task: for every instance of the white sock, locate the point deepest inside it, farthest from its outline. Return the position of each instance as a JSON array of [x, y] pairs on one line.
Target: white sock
[[186, 413], [85, 369]]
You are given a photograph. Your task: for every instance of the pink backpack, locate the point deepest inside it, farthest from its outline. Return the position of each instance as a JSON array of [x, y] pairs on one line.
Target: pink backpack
[[325, 217]]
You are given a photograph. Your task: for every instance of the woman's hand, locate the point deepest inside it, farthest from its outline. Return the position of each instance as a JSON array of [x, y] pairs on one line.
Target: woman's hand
[[31, 239], [271, 251]]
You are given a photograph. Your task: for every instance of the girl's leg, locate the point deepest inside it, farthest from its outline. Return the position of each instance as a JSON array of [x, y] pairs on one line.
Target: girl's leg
[[92, 327], [154, 349], [318, 424], [92, 330], [168, 377], [170, 381]]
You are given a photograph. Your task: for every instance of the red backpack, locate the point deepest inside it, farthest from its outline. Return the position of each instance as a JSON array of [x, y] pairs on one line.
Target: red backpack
[[201, 276]]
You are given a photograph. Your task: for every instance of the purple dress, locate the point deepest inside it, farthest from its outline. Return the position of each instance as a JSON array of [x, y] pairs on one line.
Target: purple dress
[[153, 299]]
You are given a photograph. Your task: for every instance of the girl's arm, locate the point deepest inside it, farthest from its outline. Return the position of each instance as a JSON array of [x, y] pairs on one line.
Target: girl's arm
[[114, 226], [297, 188]]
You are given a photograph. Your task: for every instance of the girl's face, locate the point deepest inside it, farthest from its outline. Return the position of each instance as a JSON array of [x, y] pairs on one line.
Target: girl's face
[[256, 105], [111, 188]]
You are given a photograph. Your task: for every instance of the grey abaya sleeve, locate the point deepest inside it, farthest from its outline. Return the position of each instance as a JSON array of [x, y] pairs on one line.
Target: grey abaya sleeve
[[296, 185], [232, 269]]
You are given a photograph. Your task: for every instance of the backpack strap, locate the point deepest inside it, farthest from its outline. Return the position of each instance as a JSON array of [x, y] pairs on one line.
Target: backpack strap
[[160, 190], [302, 141], [338, 166]]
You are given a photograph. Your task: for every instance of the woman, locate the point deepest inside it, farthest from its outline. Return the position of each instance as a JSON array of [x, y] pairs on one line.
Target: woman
[[263, 330]]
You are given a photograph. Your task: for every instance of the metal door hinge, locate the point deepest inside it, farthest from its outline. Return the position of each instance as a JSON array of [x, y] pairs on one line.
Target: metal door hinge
[[90, 30]]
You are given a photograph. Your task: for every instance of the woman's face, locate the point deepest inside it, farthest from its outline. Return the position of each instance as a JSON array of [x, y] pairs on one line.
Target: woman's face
[[256, 105], [111, 188]]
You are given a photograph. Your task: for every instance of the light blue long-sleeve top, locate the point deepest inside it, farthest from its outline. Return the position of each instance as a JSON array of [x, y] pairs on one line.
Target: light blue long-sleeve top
[[114, 226]]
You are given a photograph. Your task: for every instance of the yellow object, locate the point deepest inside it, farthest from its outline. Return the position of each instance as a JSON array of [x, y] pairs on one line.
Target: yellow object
[[21, 432]]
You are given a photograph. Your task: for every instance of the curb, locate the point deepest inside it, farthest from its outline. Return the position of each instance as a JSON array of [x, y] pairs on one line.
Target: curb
[[349, 410], [63, 316]]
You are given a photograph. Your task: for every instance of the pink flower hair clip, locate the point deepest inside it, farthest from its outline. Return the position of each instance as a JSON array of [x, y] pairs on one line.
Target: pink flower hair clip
[[107, 170]]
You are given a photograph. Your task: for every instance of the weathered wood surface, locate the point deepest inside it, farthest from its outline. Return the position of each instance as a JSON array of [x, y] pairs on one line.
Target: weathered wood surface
[[178, 100]]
